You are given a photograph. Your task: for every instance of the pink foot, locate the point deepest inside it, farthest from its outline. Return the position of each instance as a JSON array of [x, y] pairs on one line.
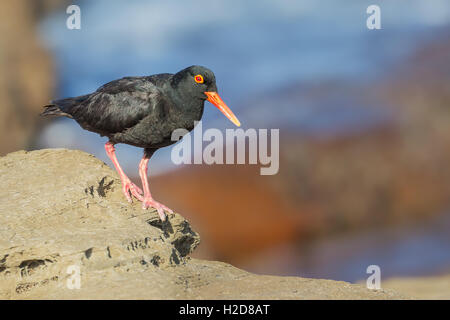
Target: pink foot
[[129, 187], [149, 202]]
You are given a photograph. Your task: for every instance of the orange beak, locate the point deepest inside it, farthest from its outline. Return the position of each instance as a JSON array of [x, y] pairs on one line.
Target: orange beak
[[215, 99]]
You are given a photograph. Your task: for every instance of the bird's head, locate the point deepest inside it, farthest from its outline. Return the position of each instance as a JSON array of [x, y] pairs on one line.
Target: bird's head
[[199, 82]]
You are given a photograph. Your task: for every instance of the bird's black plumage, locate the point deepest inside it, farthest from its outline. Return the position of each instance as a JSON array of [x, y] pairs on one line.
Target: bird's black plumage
[[141, 111]]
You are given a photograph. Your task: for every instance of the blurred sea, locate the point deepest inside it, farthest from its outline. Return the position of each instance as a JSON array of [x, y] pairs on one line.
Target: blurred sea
[[414, 250]]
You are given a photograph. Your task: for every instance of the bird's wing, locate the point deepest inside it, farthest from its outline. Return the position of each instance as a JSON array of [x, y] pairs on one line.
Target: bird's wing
[[119, 105]]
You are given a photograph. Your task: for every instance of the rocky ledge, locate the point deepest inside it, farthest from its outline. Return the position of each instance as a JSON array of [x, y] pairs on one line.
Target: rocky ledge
[[67, 232]]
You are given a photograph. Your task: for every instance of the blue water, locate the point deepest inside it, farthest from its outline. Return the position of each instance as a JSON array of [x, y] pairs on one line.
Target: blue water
[[254, 48], [420, 249]]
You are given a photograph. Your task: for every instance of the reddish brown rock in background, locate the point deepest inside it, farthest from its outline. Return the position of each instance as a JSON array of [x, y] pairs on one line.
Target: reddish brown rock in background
[[246, 213]]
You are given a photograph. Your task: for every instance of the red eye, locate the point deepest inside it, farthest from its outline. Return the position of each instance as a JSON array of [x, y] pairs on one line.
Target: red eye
[[198, 78]]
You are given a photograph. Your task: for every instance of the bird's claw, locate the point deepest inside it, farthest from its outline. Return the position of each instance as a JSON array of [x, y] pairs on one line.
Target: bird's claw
[[160, 208], [129, 188]]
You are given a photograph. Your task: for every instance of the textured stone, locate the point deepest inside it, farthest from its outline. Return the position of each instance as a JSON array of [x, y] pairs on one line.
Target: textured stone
[[62, 208]]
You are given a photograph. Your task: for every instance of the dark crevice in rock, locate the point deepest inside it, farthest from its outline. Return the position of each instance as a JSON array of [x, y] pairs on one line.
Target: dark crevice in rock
[[88, 253], [104, 187], [89, 190], [28, 266], [32, 264], [3, 260], [188, 242], [165, 226], [174, 257], [156, 260], [184, 245]]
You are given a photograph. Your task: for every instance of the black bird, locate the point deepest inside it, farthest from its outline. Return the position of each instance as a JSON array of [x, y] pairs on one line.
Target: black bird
[[143, 112]]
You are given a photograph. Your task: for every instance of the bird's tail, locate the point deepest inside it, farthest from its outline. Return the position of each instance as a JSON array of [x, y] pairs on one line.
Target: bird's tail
[[54, 110], [63, 107]]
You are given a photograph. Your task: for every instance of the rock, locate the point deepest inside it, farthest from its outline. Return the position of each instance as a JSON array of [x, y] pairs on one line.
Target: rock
[[63, 211], [436, 287]]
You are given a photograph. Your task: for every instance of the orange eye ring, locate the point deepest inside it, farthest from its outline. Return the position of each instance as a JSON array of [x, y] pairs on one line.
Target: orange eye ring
[[199, 78]]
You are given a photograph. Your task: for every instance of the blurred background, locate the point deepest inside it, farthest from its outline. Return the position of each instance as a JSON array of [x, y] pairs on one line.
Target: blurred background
[[364, 119]]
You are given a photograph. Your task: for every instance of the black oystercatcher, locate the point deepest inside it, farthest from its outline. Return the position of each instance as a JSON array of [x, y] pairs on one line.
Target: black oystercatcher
[[143, 112]]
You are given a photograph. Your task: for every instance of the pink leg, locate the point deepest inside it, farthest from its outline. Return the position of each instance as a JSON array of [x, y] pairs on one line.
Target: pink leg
[[148, 200], [127, 185]]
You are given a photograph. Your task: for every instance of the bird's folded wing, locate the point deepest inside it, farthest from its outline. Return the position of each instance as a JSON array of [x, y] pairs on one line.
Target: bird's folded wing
[[119, 105]]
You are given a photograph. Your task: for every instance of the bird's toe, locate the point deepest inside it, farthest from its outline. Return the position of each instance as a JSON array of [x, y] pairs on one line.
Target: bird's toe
[[136, 194], [160, 208], [138, 190], [126, 192], [129, 188]]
